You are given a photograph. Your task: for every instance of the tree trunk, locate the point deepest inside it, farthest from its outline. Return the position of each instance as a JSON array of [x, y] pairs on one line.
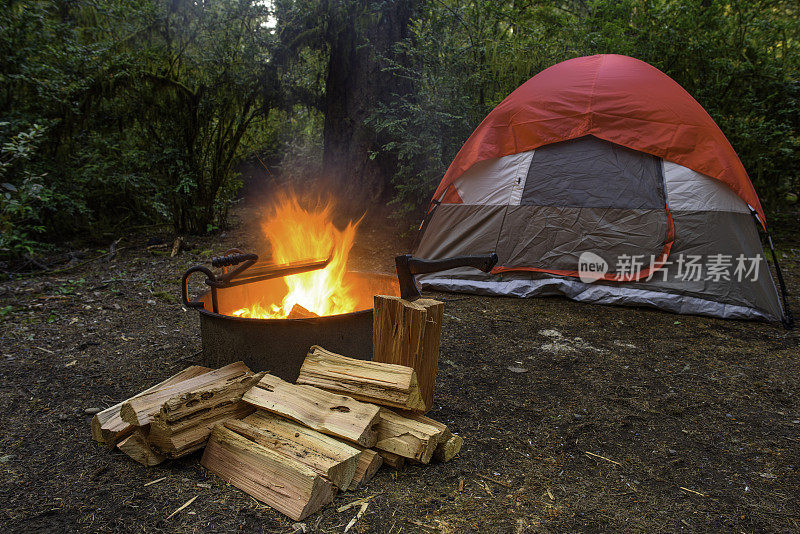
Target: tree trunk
[[361, 38]]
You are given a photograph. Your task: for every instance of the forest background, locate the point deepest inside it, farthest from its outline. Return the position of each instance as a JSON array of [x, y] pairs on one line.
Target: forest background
[[118, 114]]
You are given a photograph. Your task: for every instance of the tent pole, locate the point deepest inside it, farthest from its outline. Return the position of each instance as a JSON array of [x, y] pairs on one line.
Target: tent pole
[[788, 318]]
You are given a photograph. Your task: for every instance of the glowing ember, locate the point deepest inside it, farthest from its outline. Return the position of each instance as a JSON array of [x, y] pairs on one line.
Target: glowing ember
[[298, 234]]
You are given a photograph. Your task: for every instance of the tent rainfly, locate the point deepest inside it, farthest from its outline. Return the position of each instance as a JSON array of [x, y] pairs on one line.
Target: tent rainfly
[[603, 180]]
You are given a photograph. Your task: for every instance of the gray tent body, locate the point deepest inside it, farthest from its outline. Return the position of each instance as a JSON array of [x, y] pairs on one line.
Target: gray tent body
[[544, 210]]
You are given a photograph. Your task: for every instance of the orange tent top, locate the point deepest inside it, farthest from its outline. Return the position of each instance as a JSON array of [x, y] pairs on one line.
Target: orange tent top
[[616, 98]]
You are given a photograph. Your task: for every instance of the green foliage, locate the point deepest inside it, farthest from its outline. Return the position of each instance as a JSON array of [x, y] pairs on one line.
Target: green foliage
[[146, 108], [22, 193], [206, 90]]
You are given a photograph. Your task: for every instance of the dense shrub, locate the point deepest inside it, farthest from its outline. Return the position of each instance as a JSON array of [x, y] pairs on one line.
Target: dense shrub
[[145, 110]]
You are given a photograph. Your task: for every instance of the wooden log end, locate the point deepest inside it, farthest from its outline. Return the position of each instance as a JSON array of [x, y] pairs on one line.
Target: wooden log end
[[449, 449], [392, 460], [137, 447], [283, 483], [369, 461], [415, 437]]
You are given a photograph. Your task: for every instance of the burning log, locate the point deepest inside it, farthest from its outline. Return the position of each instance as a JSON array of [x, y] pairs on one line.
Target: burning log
[[368, 464], [183, 423], [283, 482], [329, 413], [407, 437], [139, 410], [137, 447], [108, 426], [299, 312], [379, 383], [408, 333]]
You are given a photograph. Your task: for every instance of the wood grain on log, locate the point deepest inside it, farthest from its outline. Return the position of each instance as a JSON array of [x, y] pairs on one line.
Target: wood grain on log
[[408, 333], [334, 459], [137, 447], [284, 483], [140, 410], [379, 383], [175, 441], [407, 437], [108, 426], [448, 449], [392, 460], [449, 444], [368, 464], [329, 413]]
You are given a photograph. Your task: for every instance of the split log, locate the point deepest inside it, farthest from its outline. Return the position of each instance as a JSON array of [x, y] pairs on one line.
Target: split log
[[329, 413], [379, 383], [280, 481], [137, 447], [180, 440], [368, 464], [331, 458], [140, 410], [408, 333], [108, 426], [407, 437], [392, 460], [183, 423], [449, 444]]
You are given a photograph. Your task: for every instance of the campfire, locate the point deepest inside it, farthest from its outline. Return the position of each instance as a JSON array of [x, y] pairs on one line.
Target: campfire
[[296, 234], [316, 420]]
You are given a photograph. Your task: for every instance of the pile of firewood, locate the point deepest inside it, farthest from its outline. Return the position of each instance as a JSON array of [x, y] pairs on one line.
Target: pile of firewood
[[291, 446]]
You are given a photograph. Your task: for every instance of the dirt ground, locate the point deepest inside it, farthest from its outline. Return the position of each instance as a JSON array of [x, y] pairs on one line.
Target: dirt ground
[[576, 417]]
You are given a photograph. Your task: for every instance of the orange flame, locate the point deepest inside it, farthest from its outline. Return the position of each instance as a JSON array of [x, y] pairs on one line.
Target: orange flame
[[299, 234]]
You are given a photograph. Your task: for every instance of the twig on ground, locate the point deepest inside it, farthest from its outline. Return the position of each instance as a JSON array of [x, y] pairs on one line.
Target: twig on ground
[[154, 481], [187, 503], [356, 503], [693, 491], [71, 267], [357, 517], [506, 484], [423, 525], [603, 458], [177, 245]]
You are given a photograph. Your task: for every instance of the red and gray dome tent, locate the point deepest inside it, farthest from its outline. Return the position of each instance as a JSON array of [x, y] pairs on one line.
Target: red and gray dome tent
[[603, 180]]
